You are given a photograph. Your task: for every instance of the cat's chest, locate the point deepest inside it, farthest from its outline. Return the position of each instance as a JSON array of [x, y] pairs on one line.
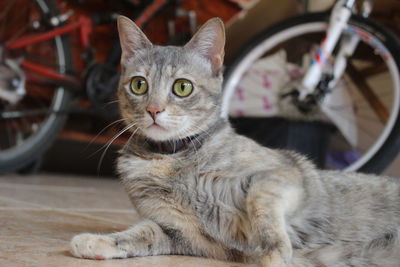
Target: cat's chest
[[159, 189], [156, 180], [208, 199], [166, 179], [135, 166]]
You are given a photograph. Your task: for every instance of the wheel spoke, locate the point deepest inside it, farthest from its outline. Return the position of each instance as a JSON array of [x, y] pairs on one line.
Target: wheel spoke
[[373, 70], [14, 114]]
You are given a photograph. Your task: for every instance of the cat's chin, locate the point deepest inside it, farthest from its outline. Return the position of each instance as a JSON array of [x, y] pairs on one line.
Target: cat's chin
[[157, 133]]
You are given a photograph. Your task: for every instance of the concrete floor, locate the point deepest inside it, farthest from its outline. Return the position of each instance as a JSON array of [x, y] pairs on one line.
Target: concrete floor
[[40, 214]]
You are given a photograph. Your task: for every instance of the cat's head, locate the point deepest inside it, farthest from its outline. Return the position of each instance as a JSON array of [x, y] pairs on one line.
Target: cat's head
[[170, 92]]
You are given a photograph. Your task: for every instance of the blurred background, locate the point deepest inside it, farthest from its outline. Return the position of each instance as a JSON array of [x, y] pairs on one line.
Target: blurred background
[[80, 145]]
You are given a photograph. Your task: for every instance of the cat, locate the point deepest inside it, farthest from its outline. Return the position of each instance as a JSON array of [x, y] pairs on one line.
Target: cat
[[205, 191]]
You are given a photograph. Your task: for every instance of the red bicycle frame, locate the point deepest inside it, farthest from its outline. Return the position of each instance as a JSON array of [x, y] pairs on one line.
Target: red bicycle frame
[[85, 26]]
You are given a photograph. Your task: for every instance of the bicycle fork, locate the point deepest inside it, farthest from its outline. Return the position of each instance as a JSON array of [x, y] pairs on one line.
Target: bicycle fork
[[340, 16]]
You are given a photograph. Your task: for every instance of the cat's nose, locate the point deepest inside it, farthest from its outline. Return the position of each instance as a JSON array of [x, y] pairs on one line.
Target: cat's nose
[[153, 111]]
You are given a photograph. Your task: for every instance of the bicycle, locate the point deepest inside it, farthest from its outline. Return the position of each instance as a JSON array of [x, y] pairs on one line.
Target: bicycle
[[38, 80], [320, 76]]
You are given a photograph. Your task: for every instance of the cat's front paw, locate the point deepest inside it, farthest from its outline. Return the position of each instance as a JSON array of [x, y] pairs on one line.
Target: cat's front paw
[[273, 259], [98, 247], [275, 251]]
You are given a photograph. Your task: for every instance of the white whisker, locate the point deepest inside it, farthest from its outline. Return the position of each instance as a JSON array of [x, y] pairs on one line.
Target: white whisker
[[105, 128], [130, 138], [114, 101], [110, 142], [197, 139], [202, 130], [124, 129]]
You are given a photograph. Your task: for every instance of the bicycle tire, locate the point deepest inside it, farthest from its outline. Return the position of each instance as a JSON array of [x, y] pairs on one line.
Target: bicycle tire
[[36, 145], [390, 146]]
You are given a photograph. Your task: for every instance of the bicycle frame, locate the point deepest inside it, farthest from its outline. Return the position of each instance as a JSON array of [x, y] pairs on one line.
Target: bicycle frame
[[340, 16], [85, 27], [83, 24]]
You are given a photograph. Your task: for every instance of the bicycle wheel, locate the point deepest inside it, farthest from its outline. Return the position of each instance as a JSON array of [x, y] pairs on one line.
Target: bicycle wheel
[[371, 85], [32, 109]]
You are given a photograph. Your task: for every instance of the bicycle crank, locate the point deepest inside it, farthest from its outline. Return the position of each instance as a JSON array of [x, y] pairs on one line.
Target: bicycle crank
[[311, 100], [12, 79]]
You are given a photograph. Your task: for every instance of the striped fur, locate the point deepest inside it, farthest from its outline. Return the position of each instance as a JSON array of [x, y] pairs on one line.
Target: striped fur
[[226, 197]]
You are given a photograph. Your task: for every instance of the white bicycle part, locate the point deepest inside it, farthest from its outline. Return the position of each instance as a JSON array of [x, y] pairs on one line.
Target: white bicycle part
[[382, 145]]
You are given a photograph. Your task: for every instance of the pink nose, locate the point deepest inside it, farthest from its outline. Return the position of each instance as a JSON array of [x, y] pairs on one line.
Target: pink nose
[[153, 111]]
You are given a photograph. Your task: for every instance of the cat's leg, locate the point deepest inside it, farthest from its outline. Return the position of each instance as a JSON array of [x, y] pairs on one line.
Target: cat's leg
[[143, 239], [267, 203]]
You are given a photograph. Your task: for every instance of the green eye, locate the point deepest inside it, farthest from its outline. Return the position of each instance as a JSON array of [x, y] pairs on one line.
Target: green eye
[[182, 87], [138, 85]]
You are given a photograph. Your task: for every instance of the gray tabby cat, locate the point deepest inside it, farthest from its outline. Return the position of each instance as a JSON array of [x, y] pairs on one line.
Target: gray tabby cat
[[203, 190]]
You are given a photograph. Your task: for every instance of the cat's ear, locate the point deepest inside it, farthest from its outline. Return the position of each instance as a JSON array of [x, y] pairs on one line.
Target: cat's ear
[[131, 38], [209, 42]]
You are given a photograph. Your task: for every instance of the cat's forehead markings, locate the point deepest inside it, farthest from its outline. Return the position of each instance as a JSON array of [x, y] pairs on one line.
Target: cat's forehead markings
[[169, 70], [142, 69], [152, 70], [135, 70], [179, 72], [183, 73]]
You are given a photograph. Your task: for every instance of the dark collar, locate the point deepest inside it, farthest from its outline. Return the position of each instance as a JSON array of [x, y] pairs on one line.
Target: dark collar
[[174, 146], [141, 146]]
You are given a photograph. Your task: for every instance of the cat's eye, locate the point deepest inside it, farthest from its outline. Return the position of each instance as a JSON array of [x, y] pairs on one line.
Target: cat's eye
[[182, 87], [138, 85]]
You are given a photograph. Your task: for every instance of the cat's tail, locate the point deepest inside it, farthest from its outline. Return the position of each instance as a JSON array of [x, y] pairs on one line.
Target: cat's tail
[[347, 256]]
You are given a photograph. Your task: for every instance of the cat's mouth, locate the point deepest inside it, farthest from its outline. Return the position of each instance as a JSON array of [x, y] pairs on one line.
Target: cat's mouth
[[154, 125]]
